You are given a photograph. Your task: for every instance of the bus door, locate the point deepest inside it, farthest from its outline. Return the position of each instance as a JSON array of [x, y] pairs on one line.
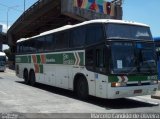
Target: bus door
[[90, 65], [96, 63], [100, 69]]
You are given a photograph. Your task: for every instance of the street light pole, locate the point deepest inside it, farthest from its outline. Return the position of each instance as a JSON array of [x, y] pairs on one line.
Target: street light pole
[[24, 5]]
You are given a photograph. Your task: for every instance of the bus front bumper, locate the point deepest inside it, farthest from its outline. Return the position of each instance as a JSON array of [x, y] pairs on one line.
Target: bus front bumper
[[121, 92], [2, 68]]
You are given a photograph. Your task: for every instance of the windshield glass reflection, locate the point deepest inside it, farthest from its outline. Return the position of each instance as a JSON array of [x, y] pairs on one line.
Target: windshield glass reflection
[[132, 58], [122, 31]]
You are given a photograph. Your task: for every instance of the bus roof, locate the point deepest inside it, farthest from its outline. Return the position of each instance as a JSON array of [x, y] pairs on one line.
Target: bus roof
[[84, 23], [2, 54]]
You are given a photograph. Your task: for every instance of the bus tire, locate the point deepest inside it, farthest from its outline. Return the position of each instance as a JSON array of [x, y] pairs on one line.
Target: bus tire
[[32, 78], [25, 76], [82, 88]]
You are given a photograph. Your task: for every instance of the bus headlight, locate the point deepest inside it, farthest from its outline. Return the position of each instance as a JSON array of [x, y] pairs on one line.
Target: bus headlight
[[121, 84], [154, 82]]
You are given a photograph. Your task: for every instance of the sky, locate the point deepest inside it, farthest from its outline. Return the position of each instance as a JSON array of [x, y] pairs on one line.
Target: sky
[[14, 8], [144, 11]]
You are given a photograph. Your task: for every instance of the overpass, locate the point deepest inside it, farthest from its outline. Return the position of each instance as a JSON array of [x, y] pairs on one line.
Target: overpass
[[49, 14]]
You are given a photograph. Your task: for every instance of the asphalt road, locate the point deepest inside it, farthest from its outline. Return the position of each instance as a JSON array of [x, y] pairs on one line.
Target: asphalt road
[[17, 97]]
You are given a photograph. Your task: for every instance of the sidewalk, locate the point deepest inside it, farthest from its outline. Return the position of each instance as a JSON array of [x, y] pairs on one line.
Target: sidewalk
[[157, 95]]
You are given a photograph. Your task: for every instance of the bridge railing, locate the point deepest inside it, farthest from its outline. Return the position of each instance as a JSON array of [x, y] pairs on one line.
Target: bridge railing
[[31, 10]]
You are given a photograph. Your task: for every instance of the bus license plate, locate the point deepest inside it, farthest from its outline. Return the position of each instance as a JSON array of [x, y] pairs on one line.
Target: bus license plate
[[137, 91]]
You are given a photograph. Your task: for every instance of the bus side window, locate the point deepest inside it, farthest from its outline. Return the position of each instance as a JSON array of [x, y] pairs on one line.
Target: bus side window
[[21, 47], [17, 47], [100, 60], [90, 59], [94, 34], [50, 43], [40, 41], [62, 40], [78, 36]]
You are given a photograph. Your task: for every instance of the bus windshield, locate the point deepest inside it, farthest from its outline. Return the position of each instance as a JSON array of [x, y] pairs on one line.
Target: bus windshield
[[129, 58], [2, 58], [122, 31]]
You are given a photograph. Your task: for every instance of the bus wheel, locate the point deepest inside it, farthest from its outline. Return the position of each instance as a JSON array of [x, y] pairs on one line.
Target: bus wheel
[[25, 76], [82, 88], [32, 78]]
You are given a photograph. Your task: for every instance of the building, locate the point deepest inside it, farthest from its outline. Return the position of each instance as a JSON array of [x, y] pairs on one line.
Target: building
[[1, 28], [0, 40]]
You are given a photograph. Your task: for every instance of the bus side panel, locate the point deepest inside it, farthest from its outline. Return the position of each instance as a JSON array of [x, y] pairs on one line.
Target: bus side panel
[[50, 74], [101, 85], [62, 76]]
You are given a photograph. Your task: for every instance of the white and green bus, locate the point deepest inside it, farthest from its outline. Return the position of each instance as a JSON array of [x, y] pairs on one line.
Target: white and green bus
[[103, 58], [2, 61]]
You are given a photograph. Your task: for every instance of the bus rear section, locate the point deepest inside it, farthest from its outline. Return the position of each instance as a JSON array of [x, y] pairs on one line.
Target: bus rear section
[[2, 61]]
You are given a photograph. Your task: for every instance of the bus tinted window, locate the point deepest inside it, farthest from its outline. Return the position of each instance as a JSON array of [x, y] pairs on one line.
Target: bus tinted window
[[40, 41], [18, 48], [61, 40], [94, 33], [32, 44], [50, 43], [78, 36], [121, 31], [26, 47]]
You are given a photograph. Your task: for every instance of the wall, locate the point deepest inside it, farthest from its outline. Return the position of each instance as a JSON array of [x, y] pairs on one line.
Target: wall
[[91, 9]]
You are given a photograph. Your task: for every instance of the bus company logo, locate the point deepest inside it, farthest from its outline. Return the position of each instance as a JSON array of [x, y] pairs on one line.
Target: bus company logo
[[65, 57], [67, 60]]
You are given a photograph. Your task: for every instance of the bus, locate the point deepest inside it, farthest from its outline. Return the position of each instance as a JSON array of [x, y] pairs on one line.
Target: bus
[[2, 61], [157, 45], [103, 58]]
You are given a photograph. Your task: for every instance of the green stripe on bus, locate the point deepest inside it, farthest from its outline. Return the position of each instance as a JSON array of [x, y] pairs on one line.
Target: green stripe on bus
[[29, 59], [61, 58], [23, 59], [112, 79], [130, 78], [41, 68], [54, 59], [38, 59]]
